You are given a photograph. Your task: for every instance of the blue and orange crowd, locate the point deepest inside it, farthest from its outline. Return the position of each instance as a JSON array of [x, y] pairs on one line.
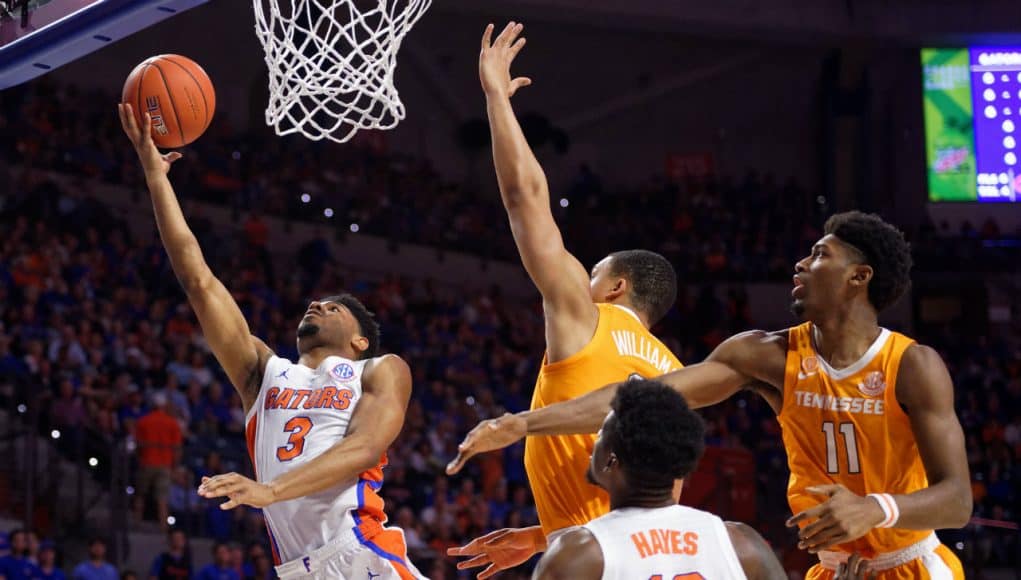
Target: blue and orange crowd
[[94, 328]]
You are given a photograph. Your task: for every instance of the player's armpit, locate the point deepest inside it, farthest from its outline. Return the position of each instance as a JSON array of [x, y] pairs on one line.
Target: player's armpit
[[225, 329], [575, 556], [757, 559], [926, 391], [376, 422]]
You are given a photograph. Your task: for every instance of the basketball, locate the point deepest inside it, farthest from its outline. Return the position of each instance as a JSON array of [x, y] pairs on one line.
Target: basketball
[[178, 95]]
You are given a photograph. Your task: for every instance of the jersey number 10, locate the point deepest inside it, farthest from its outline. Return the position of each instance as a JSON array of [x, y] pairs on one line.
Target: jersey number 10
[[850, 442]]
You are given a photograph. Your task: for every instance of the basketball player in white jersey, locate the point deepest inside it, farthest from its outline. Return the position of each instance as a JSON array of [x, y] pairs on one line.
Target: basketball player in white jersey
[[649, 439], [317, 430]]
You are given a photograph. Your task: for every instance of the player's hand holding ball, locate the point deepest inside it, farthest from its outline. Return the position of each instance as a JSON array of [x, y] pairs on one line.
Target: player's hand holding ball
[[845, 516], [496, 58], [141, 137], [489, 435]]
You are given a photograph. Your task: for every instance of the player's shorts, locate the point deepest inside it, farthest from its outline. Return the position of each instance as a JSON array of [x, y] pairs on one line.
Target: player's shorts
[[924, 560], [384, 556]]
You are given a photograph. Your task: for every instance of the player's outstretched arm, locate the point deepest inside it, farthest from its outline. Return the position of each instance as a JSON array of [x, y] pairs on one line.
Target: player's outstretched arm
[[926, 392], [757, 559], [377, 420], [575, 556], [242, 356], [743, 359], [559, 276]]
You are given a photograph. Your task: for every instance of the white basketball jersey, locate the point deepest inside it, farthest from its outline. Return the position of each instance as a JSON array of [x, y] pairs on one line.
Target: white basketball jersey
[[669, 543], [299, 414]]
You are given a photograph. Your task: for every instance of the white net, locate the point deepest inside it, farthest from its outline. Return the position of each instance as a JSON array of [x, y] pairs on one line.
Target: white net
[[331, 63]]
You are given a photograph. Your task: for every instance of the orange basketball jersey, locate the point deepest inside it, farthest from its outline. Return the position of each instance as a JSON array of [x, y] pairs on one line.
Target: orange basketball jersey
[[845, 426], [556, 465]]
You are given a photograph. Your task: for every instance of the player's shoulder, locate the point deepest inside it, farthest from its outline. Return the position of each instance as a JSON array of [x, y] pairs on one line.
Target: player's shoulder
[[755, 556], [575, 554]]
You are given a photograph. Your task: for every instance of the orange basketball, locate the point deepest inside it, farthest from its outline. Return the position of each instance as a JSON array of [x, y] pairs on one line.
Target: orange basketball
[[178, 95]]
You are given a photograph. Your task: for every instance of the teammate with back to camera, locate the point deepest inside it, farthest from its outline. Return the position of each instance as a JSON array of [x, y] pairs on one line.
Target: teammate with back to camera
[[317, 430], [597, 324], [874, 446], [649, 440]]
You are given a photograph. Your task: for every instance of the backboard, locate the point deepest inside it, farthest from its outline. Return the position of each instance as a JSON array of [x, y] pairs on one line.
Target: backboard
[[37, 36]]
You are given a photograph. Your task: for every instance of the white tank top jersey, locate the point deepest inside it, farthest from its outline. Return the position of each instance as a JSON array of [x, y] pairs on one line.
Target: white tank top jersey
[[668, 543], [299, 414]]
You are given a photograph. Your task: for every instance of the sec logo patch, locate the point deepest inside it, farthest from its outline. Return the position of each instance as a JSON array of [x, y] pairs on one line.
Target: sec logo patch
[[343, 372]]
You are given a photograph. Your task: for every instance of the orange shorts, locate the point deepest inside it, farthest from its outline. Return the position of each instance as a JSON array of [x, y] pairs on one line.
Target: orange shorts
[[938, 564]]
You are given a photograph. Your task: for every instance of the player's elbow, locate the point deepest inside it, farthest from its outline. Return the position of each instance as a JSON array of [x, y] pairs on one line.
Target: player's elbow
[[522, 193], [963, 507], [957, 511]]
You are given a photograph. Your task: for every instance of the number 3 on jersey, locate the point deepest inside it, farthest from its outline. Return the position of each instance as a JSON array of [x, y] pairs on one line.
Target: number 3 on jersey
[[298, 427]]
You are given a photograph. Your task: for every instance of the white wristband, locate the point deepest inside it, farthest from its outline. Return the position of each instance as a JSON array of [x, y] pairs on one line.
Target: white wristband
[[889, 507]]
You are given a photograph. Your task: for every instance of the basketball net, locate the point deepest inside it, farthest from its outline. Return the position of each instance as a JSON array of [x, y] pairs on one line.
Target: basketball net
[[331, 63]]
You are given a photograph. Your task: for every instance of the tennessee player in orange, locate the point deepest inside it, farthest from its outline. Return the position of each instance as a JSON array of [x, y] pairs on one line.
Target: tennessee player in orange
[[597, 326], [875, 449], [648, 441]]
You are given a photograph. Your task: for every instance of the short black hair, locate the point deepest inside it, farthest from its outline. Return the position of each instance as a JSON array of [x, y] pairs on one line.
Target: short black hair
[[657, 438], [881, 246], [652, 278], [367, 324]]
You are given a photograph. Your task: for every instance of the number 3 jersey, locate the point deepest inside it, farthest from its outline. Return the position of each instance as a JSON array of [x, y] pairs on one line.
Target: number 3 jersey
[[846, 427], [299, 414]]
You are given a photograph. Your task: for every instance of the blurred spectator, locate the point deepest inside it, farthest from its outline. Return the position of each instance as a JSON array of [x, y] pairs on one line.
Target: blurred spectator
[[17, 565], [159, 446], [220, 569], [175, 563], [48, 569], [96, 567]]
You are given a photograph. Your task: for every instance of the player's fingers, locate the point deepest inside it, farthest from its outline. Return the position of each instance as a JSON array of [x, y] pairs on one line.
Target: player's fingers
[[128, 121], [495, 538], [487, 36], [517, 46], [229, 505], [172, 156], [514, 32], [147, 128], [503, 39], [519, 83], [808, 514], [822, 539], [480, 560], [814, 527], [492, 569], [454, 466], [827, 490], [470, 549]]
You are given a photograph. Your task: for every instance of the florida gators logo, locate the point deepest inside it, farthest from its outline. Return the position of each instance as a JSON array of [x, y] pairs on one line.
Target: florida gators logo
[[343, 371], [873, 385]]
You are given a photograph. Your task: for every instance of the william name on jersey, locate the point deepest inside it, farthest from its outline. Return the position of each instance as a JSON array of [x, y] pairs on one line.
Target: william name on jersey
[[630, 344]]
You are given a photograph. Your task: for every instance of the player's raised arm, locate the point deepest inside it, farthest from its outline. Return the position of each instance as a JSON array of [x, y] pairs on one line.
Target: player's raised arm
[[741, 360], [376, 422], [559, 276], [224, 327]]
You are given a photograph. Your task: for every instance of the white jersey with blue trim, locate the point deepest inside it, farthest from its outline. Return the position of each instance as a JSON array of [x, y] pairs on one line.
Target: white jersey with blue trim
[[299, 414]]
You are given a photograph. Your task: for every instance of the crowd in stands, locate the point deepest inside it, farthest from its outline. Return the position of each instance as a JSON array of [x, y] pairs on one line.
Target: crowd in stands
[[720, 229], [95, 331]]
